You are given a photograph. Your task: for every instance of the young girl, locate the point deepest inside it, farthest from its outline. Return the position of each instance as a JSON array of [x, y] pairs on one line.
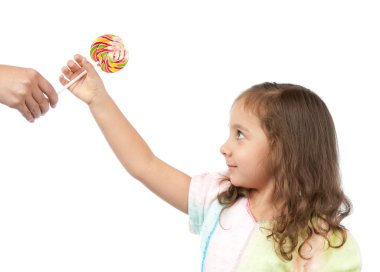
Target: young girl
[[278, 207]]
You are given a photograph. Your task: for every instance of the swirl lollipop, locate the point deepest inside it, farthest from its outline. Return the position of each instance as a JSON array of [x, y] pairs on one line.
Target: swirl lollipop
[[110, 54]]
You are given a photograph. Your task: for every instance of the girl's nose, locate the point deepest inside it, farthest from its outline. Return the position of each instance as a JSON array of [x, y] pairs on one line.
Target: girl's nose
[[225, 150]]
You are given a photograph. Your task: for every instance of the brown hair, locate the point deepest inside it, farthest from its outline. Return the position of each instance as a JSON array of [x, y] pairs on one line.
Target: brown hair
[[304, 163]]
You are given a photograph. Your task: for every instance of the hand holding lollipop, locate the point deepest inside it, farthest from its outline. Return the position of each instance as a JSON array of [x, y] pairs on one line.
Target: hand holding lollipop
[[108, 51], [82, 79]]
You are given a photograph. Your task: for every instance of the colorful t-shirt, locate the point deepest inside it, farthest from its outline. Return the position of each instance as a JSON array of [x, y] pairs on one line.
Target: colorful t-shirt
[[235, 241]]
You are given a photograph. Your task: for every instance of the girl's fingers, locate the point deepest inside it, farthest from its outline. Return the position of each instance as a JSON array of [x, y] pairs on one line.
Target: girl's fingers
[[69, 76], [74, 67], [67, 72], [72, 71], [63, 80], [79, 59]]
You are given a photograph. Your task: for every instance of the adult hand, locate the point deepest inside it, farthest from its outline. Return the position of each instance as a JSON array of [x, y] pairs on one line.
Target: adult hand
[[26, 90]]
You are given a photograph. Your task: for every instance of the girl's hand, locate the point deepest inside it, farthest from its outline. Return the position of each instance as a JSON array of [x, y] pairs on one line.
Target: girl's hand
[[90, 86]]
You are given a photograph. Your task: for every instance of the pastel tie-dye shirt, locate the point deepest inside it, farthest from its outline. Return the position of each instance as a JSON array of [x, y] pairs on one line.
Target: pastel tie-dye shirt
[[237, 242]]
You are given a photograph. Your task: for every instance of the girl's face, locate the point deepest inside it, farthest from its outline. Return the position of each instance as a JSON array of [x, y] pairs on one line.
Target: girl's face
[[246, 150]]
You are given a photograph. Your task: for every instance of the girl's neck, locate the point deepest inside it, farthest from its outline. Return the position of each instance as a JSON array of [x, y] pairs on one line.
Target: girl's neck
[[261, 204]]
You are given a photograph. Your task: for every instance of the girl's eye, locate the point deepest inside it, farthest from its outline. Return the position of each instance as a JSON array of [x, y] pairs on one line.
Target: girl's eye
[[239, 135]]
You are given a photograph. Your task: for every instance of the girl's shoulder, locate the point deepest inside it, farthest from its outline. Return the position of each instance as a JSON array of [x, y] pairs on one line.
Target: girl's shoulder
[[349, 253], [206, 187], [320, 257], [203, 197]]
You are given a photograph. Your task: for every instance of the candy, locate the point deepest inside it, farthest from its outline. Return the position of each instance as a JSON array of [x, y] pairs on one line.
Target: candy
[[109, 52]]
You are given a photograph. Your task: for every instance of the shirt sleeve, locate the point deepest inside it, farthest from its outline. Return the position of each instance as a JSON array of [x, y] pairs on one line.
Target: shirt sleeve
[[203, 191]]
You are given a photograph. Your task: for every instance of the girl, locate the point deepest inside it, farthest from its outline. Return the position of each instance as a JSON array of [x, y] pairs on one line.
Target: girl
[[279, 206]]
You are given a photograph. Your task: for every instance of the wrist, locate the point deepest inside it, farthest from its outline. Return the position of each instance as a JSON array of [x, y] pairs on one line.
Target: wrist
[[99, 100]]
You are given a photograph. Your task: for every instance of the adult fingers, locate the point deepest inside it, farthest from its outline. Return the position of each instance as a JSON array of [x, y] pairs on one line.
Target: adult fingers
[[46, 88], [33, 106], [41, 100], [23, 109]]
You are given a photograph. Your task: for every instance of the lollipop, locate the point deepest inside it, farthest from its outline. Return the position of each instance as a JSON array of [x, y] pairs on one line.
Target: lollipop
[[109, 52]]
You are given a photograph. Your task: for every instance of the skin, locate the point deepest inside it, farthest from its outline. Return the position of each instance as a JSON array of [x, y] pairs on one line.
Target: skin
[[135, 155], [246, 152], [27, 91], [167, 182]]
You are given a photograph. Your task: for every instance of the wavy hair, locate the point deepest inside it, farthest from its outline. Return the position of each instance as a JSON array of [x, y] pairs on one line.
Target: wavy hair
[[304, 163]]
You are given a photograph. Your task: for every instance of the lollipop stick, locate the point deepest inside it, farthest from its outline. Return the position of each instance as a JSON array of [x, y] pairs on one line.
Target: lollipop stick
[[73, 81]]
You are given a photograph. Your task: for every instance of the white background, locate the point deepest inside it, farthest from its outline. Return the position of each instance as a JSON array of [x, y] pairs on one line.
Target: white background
[[66, 204]]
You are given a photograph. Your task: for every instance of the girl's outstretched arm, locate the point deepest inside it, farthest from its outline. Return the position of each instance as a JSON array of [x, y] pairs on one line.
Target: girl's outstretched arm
[[167, 182]]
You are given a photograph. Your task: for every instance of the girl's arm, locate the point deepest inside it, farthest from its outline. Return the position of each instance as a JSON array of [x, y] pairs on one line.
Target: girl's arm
[[167, 182]]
